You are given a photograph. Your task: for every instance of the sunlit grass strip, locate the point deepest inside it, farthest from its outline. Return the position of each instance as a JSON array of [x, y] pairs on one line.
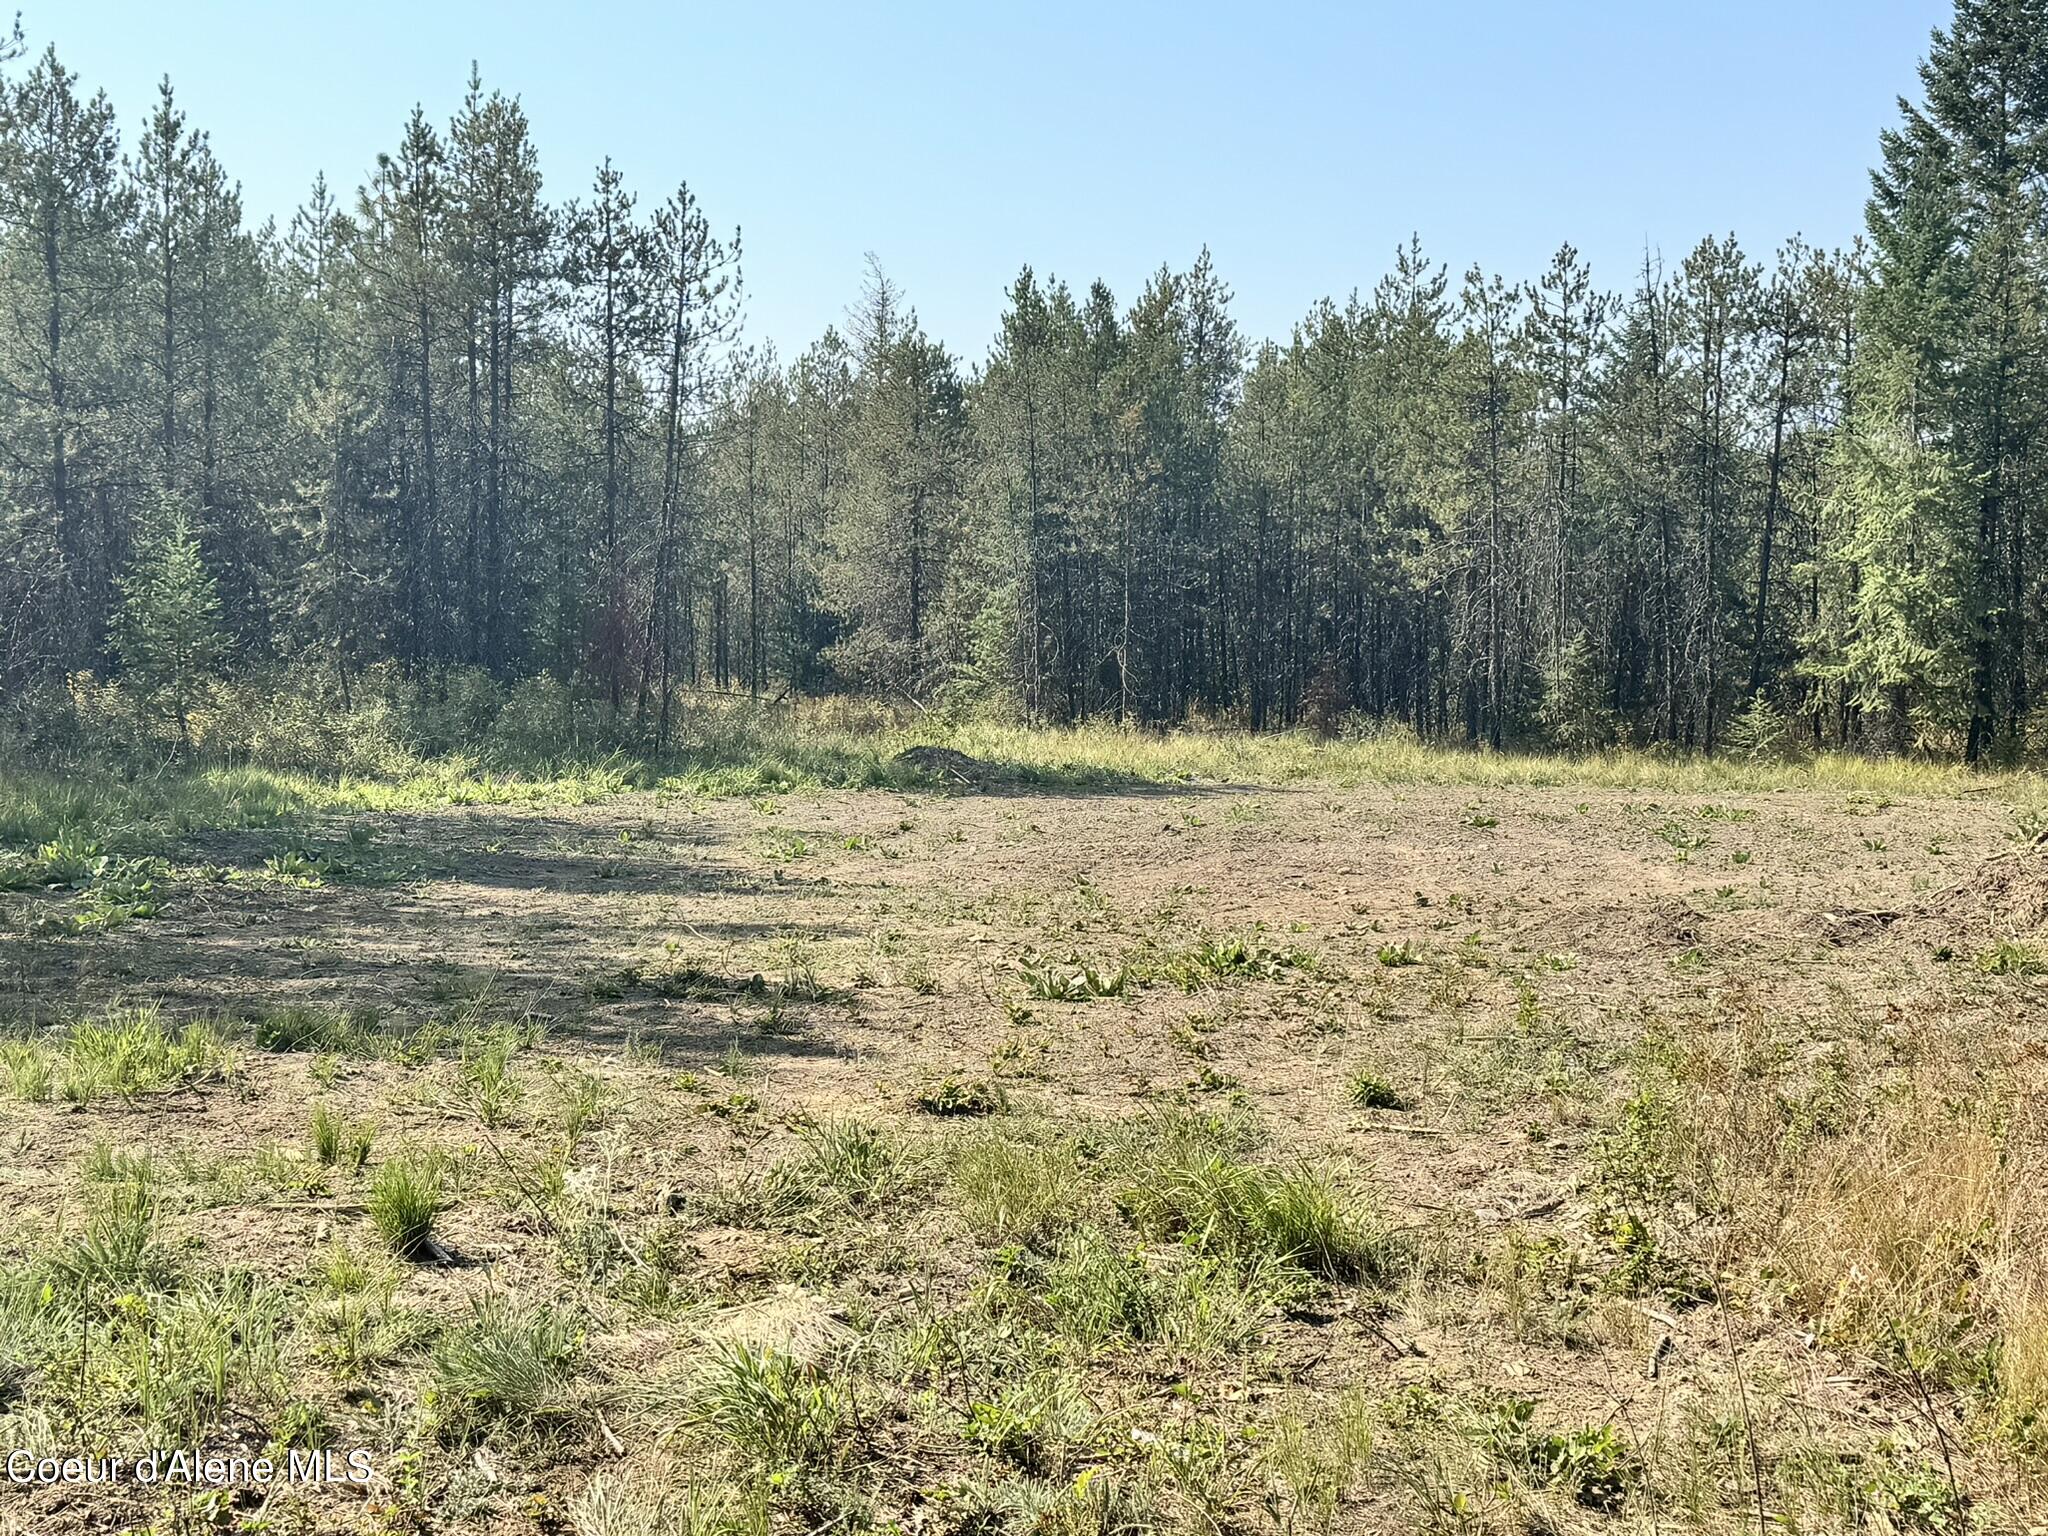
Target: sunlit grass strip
[[740, 749]]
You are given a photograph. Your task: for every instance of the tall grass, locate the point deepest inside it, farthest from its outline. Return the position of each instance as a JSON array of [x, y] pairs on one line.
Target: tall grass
[[279, 750]]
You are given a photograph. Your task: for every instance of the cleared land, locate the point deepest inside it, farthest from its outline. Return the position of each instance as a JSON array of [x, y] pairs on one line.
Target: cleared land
[[1463, 1156]]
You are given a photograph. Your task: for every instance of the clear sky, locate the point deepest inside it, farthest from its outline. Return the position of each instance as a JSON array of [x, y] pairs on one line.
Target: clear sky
[[958, 141]]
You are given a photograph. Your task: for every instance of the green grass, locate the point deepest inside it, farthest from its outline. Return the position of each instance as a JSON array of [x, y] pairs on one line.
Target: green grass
[[124, 1053], [405, 1202], [1188, 1181], [338, 764], [341, 1143], [773, 1410], [1368, 1091], [510, 1366], [1013, 1190]]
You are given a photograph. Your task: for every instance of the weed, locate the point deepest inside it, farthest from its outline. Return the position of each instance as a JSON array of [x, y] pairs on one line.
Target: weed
[[1017, 1191], [485, 1080], [841, 1164], [30, 1071], [773, 1410], [1593, 1463], [2013, 957], [341, 1143], [955, 1096], [1072, 983], [129, 1052], [1209, 1198]]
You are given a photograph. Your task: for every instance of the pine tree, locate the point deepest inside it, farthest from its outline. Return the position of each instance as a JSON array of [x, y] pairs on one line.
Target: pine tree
[[1903, 613], [169, 624]]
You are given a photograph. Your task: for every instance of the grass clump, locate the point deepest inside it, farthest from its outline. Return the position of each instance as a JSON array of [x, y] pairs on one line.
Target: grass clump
[[1017, 1191], [2013, 957], [405, 1202], [1199, 1304], [844, 1164], [485, 1081], [777, 1412], [508, 1367], [31, 1075], [118, 1252], [129, 1052], [325, 1031], [340, 1143], [1192, 1186], [1213, 961]]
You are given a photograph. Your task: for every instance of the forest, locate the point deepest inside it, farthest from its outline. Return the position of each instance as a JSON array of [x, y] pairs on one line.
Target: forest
[[457, 425]]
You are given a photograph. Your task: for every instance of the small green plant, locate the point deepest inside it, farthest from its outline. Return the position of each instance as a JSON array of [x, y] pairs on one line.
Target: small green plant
[[405, 1202], [1592, 1462], [331, 1031], [1190, 1187], [1018, 1191], [1403, 952], [956, 1096], [1238, 958], [510, 1365], [585, 1099], [485, 1079], [128, 1052], [339, 1143], [1370, 1092], [2013, 957], [30, 1071], [1072, 983], [845, 1163]]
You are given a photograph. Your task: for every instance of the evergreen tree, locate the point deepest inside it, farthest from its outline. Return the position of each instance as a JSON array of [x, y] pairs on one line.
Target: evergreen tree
[[169, 624]]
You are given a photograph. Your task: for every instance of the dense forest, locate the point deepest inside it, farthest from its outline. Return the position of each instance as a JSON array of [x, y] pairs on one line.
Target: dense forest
[[456, 423]]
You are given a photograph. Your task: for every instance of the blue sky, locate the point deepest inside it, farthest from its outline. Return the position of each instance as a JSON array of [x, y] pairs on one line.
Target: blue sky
[[1301, 143]]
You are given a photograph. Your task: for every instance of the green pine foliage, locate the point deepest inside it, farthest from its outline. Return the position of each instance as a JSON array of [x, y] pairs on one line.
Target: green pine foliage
[[169, 625], [454, 418]]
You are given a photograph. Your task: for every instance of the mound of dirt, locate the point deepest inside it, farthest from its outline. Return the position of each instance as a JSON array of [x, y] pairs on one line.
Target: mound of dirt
[[945, 763], [2006, 897]]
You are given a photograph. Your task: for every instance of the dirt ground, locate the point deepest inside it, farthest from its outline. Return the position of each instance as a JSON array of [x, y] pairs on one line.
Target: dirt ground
[[739, 970]]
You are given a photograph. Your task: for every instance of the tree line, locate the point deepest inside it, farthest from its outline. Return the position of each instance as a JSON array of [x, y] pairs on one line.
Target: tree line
[[448, 421]]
